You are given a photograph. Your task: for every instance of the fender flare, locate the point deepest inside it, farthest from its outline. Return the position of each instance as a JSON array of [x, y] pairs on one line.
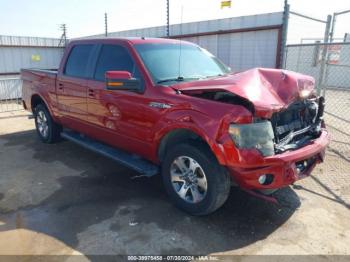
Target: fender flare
[[45, 103], [169, 129]]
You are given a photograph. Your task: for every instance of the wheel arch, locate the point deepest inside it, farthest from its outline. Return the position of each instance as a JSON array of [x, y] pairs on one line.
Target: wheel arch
[[36, 100], [181, 135]]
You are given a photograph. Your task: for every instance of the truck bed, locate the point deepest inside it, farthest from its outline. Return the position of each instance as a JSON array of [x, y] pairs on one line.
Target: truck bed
[[37, 70], [39, 81]]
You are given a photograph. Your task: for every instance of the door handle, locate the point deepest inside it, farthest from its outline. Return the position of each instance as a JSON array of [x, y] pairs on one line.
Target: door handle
[[91, 92]]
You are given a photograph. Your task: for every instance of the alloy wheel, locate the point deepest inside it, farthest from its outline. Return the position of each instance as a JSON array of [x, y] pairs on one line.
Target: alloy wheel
[[42, 124], [188, 179]]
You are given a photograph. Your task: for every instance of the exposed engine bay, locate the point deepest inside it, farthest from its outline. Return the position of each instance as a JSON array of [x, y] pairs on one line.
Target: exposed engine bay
[[297, 125]]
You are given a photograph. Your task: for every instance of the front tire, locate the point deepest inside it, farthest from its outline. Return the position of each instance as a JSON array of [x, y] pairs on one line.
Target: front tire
[[47, 130], [194, 180]]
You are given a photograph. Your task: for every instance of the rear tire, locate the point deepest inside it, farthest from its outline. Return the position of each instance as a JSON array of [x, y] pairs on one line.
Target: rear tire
[[47, 130], [194, 180]]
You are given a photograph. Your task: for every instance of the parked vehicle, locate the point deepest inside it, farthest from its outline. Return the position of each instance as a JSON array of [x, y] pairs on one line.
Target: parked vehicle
[[170, 107]]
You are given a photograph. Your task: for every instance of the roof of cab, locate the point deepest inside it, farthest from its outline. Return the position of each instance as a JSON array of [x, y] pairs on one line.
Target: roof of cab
[[132, 40]]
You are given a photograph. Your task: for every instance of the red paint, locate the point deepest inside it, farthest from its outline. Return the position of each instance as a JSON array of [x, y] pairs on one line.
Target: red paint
[[125, 120], [270, 90], [118, 75]]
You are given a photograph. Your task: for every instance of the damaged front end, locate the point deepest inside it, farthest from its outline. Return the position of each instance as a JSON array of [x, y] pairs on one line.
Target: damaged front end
[[286, 136], [287, 113], [301, 122], [287, 129]]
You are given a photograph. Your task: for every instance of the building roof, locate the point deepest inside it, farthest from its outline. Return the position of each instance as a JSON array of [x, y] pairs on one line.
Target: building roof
[[6, 40]]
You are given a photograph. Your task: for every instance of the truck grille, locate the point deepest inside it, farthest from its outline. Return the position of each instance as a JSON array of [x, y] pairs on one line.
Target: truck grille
[[296, 125]]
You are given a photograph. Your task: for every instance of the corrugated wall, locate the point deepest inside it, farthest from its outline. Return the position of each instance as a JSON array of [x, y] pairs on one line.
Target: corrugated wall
[[243, 50], [28, 52], [240, 42], [234, 23]]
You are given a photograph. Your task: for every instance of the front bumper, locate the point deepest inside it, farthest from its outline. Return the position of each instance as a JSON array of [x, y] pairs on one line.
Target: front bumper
[[246, 166]]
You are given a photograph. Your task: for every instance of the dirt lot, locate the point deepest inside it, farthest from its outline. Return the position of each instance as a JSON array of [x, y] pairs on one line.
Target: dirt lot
[[63, 199]]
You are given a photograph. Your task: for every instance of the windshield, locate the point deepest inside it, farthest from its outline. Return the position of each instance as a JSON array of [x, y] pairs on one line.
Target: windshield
[[167, 63]]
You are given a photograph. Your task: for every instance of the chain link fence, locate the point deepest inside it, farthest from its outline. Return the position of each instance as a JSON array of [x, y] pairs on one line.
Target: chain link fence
[[333, 83], [10, 94]]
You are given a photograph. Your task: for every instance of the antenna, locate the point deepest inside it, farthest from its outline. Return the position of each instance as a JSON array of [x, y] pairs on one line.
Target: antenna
[[106, 25], [182, 11]]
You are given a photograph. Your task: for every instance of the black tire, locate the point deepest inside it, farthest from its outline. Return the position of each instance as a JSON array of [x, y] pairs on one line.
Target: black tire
[[53, 129], [217, 177]]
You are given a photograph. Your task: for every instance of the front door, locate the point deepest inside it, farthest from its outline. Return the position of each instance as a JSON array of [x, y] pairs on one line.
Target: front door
[[120, 118]]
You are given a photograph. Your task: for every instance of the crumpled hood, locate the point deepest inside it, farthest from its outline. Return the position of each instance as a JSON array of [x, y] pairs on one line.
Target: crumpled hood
[[269, 90]]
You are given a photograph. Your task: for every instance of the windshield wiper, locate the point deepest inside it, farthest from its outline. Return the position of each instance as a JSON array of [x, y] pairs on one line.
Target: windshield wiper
[[178, 79]]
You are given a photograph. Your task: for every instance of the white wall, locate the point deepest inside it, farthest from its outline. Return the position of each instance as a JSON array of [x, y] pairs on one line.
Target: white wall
[[240, 51], [12, 59], [16, 53]]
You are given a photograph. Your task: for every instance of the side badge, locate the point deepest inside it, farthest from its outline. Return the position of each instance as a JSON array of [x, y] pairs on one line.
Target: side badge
[[159, 105]]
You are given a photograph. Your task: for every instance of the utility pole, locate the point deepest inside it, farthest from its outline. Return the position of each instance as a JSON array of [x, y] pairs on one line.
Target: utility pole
[[64, 35], [167, 19], [106, 25]]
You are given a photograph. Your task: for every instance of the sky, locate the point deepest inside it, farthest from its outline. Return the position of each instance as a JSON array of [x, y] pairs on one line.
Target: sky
[[86, 17]]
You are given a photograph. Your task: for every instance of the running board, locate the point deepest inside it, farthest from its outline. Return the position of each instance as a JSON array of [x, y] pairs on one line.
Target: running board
[[137, 163]]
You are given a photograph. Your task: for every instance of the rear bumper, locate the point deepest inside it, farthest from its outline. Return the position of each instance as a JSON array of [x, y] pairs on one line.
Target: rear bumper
[[285, 168]]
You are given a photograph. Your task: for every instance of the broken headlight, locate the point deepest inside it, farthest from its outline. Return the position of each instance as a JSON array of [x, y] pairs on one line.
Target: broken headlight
[[256, 135]]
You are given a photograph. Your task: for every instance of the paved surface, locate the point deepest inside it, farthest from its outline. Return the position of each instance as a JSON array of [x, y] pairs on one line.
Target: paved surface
[[63, 199]]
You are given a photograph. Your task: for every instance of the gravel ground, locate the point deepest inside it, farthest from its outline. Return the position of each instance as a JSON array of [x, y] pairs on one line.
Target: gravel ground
[[63, 199]]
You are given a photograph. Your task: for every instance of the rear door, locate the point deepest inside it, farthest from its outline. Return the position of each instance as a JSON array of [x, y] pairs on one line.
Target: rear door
[[72, 85]]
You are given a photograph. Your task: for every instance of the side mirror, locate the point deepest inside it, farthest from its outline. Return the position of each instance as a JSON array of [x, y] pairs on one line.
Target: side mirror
[[122, 80]]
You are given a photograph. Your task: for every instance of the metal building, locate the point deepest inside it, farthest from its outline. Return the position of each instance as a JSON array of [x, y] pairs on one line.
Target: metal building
[[28, 52], [240, 42], [23, 52]]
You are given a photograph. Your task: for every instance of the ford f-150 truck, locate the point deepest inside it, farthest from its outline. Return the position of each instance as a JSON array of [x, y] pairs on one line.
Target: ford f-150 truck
[[170, 107]]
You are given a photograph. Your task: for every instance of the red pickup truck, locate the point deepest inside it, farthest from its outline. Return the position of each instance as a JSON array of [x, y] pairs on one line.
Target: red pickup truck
[[170, 107]]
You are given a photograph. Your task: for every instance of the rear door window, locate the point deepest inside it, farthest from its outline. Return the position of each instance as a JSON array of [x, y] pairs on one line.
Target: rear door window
[[113, 58], [77, 62]]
